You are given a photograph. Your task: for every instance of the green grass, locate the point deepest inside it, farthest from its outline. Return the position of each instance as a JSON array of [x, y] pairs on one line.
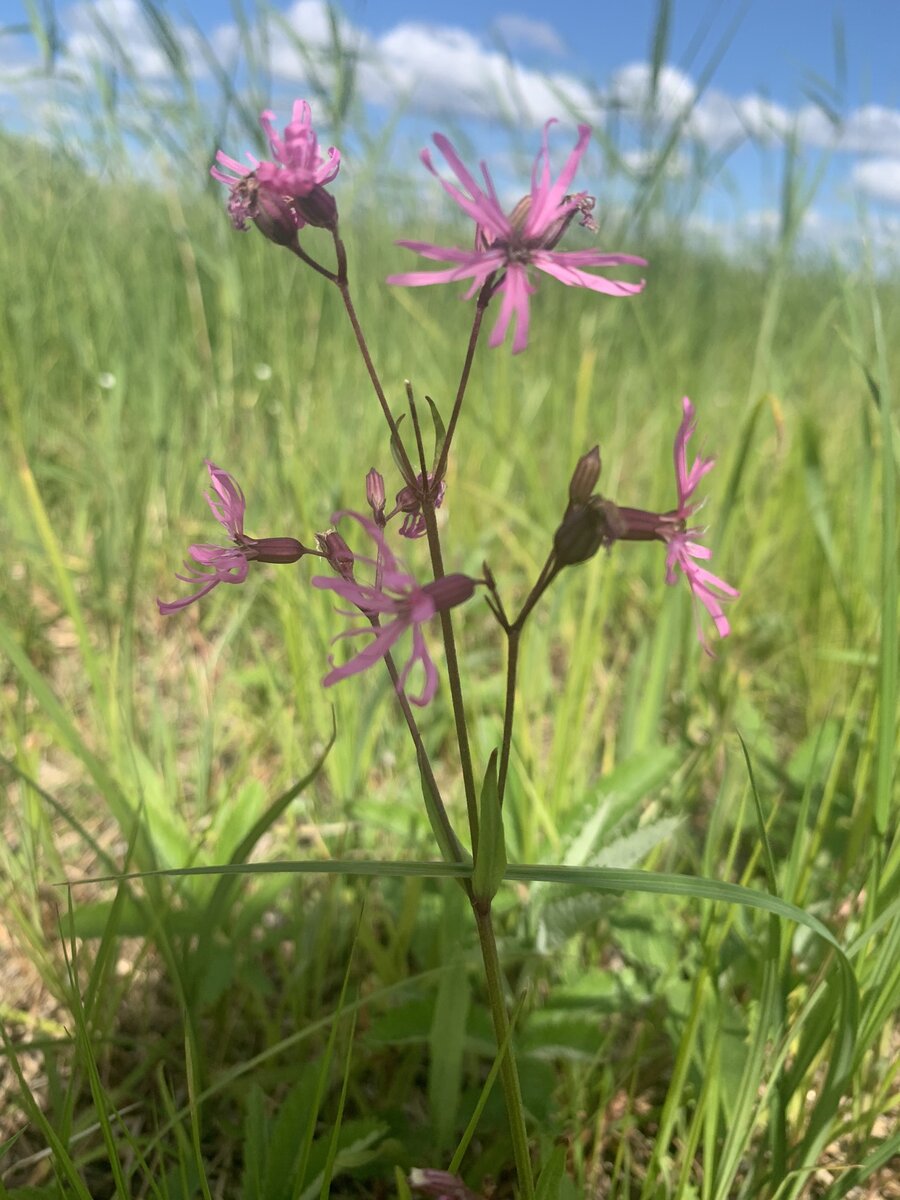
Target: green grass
[[264, 1034]]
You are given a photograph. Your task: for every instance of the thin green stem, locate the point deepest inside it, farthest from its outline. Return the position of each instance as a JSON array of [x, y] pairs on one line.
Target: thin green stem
[[424, 761], [483, 297], [453, 675], [343, 284], [513, 634], [512, 666], [297, 249], [509, 1072]]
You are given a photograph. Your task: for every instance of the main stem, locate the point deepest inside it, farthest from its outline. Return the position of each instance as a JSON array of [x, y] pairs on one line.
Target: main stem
[[513, 633], [424, 761], [453, 677], [509, 1073]]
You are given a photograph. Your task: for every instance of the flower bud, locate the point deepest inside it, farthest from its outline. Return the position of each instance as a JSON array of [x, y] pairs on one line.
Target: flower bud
[[318, 208], [450, 590], [375, 495], [337, 553], [584, 530], [274, 549], [584, 478]]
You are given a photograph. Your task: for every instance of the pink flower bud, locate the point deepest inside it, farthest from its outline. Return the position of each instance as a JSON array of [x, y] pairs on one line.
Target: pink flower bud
[[337, 552], [375, 495]]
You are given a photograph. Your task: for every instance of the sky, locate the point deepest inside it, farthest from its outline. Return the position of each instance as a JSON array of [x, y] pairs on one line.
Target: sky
[[740, 78]]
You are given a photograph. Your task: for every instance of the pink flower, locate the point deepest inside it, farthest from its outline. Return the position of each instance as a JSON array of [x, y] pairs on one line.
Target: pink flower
[[283, 195], [683, 551], [408, 501], [229, 564], [394, 604], [507, 246]]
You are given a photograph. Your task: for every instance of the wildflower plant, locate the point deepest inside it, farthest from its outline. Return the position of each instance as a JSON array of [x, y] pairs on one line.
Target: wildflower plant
[[394, 610]]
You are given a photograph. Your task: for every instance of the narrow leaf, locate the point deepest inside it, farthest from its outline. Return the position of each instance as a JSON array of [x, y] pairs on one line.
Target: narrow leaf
[[490, 858]]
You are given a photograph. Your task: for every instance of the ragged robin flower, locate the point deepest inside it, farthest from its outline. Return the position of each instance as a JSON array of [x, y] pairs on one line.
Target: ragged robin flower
[[229, 564], [285, 193], [684, 553], [393, 604], [509, 247]]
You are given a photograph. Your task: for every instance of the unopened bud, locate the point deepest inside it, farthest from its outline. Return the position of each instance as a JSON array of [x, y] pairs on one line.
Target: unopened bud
[[584, 530], [450, 590], [318, 208], [375, 495], [336, 551], [275, 549], [584, 477]]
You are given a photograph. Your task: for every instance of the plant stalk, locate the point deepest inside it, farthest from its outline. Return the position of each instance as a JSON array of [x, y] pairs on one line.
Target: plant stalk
[[509, 1072]]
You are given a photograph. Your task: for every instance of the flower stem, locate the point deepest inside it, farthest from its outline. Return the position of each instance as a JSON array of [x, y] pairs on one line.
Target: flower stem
[[513, 633], [343, 285], [453, 675], [483, 297], [512, 665], [425, 763], [509, 1073]]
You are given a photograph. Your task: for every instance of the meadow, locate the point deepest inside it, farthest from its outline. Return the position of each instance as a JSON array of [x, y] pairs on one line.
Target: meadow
[[322, 1028]]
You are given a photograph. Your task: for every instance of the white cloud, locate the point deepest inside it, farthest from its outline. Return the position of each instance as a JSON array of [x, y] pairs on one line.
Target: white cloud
[[718, 119], [644, 162], [446, 69], [631, 88], [516, 30], [100, 32], [872, 130], [103, 31], [879, 178]]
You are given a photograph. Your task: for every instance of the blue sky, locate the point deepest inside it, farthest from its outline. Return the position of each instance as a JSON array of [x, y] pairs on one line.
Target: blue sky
[[471, 63]]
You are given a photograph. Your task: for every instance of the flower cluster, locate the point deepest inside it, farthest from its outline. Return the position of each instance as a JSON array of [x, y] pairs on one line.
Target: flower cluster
[[393, 603], [286, 192]]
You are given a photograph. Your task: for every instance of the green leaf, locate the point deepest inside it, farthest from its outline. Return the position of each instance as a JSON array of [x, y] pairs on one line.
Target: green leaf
[[447, 1038], [551, 1177], [490, 859], [398, 453], [403, 1192], [449, 844], [440, 431]]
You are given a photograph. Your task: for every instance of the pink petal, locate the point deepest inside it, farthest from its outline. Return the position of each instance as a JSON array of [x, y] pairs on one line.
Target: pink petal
[[455, 254], [479, 271], [515, 290], [554, 264], [420, 654], [171, 606], [385, 636], [545, 199], [483, 209]]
